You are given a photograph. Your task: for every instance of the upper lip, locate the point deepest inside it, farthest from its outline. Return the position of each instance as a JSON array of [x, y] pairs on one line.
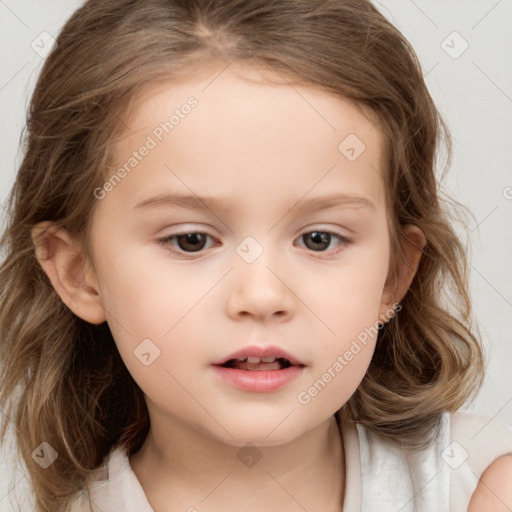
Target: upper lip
[[257, 351]]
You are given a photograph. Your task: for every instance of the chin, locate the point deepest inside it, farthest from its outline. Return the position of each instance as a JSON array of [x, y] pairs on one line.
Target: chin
[[264, 433]]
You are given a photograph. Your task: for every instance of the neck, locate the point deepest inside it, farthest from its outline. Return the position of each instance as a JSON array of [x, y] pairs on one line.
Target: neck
[[190, 469]]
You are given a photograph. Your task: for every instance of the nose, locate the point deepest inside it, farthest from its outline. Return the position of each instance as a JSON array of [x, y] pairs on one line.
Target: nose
[[261, 290]]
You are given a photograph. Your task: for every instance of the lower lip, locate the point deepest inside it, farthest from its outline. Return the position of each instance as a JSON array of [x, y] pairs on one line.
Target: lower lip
[[258, 381]]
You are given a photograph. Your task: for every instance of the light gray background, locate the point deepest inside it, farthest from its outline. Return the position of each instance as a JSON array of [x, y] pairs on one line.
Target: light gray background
[[473, 91]]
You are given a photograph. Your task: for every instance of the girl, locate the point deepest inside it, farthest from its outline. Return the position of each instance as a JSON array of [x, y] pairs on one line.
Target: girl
[[302, 356]]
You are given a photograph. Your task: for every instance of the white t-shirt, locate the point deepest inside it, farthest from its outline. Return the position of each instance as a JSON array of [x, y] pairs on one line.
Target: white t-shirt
[[379, 477]]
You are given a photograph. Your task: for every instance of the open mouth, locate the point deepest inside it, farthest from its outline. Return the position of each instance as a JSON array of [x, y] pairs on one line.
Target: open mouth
[[259, 371], [256, 363]]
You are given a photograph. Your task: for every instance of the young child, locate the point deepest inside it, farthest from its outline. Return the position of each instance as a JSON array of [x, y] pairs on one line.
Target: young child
[[304, 356]]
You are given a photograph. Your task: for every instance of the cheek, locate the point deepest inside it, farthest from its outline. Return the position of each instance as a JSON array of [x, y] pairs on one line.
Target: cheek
[[345, 349], [349, 307], [158, 336], [155, 314], [349, 301], [141, 291], [348, 352]]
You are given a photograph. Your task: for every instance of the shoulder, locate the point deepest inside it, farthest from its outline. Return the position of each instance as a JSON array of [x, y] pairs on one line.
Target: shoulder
[[483, 446], [494, 492]]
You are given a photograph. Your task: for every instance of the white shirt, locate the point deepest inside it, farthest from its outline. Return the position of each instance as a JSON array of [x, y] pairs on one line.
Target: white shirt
[[379, 476]]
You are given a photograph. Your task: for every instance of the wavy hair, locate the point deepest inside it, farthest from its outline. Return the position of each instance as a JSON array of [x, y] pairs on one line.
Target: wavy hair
[[62, 380]]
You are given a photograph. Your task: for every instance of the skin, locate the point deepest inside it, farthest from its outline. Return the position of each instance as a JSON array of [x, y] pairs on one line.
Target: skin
[[263, 147], [493, 492]]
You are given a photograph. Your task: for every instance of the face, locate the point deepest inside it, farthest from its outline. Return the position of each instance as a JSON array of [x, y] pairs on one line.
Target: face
[[269, 260]]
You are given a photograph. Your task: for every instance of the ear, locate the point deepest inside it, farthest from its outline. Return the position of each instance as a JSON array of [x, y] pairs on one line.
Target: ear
[[72, 277], [397, 286]]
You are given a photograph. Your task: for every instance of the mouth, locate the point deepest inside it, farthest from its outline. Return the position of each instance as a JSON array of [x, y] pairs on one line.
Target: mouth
[[256, 357], [255, 375], [259, 369], [256, 363]]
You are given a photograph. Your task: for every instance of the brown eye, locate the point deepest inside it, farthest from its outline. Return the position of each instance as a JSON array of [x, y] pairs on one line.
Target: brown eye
[[319, 241], [191, 241], [186, 242]]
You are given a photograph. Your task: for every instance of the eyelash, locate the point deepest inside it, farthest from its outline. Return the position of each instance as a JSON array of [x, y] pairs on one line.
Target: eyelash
[[167, 241]]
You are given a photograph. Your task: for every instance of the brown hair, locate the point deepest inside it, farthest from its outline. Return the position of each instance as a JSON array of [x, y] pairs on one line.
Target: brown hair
[[62, 379]]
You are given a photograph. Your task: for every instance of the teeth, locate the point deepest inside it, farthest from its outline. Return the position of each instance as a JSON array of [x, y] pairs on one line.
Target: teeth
[[265, 366], [259, 360], [240, 358]]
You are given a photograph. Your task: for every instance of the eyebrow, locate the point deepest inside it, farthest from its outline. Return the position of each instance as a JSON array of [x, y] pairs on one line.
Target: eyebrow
[[205, 202]]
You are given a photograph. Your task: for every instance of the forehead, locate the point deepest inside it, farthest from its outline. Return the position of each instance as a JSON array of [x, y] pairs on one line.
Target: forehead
[[246, 86], [251, 130]]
